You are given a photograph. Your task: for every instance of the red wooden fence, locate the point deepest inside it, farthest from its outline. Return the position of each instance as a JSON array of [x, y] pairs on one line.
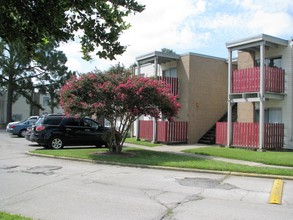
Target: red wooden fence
[[247, 80], [274, 136], [146, 130], [247, 135], [171, 132], [167, 132], [221, 133], [173, 81]]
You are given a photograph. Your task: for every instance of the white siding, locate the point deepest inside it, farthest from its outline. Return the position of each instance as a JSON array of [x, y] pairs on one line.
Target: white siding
[[47, 109], [20, 109], [287, 103]]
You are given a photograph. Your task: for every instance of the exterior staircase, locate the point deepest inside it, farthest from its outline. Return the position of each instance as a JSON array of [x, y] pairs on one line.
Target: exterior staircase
[[210, 136]]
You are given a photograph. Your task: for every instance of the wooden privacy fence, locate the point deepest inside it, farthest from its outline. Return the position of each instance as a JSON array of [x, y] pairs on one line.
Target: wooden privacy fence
[[167, 132], [146, 130], [221, 133], [247, 80], [247, 135]]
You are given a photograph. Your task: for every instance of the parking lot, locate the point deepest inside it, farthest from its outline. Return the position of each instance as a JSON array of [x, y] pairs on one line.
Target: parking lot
[[48, 188]]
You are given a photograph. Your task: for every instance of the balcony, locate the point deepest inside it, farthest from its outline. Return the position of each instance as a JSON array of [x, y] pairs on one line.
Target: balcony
[[171, 81], [248, 80], [247, 135]]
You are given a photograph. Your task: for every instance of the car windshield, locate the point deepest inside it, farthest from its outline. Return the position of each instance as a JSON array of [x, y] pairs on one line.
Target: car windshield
[[39, 121]]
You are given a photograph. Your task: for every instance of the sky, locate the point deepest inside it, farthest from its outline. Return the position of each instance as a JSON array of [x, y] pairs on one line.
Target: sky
[[198, 26]]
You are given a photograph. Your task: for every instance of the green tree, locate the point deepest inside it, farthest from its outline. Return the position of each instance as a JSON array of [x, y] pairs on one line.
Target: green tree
[[166, 50], [54, 72], [98, 23], [20, 74], [119, 69], [15, 72], [121, 100]]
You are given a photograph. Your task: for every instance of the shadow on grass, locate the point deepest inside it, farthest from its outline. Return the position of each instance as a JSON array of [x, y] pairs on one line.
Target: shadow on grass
[[145, 157]]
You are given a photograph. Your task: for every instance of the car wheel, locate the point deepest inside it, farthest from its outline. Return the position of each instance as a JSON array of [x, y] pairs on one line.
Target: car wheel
[[22, 133], [56, 143]]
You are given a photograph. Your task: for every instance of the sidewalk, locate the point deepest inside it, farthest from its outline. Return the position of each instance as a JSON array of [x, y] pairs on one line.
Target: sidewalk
[[177, 149]]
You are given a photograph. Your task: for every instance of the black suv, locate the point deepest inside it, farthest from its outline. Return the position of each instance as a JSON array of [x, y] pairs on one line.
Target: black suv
[[57, 131]]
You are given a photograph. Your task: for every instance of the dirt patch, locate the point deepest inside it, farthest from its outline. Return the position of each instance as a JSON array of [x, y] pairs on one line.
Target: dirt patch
[[110, 154]]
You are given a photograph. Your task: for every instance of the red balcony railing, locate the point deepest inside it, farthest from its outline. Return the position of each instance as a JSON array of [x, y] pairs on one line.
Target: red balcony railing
[[167, 132], [171, 81], [247, 80], [247, 135]]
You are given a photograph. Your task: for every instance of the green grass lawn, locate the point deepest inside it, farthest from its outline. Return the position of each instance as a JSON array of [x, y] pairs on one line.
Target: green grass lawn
[[141, 142], [267, 157], [7, 216], [136, 156]]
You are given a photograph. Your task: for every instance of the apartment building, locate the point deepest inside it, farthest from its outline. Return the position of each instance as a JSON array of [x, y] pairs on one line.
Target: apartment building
[[22, 110], [199, 81], [261, 87]]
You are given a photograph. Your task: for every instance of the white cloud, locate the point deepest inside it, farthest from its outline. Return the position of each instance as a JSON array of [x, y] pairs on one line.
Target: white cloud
[[201, 26], [74, 64], [270, 16], [271, 23]]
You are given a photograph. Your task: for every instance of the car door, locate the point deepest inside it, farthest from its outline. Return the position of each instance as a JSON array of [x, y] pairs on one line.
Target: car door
[[73, 134], [93, 131]]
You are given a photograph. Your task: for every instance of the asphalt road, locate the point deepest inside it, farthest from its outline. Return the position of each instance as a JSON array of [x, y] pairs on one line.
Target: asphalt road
[[48, 188]]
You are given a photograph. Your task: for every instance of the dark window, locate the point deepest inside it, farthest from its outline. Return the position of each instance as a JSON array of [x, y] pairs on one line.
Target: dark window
[[90, 123], [271, 62], [272, 115], [52, 120], [170, 73], [72, 122]]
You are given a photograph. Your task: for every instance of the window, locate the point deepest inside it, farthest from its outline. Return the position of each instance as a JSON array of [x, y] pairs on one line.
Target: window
[[51, 120], [272, 115], [90, 123], [170, 73], [72, 122], [46, 101], [271, 62]]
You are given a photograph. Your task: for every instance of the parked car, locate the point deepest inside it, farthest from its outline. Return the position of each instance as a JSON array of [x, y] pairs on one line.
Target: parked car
[[19, 128], [29, 130], [58, 131]]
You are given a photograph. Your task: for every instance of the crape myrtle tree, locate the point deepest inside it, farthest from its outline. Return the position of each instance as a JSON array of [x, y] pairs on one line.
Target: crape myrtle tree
[[96, 23], [119, 98]]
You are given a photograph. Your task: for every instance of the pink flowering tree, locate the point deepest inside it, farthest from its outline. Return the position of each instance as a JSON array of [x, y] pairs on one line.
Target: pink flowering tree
[[121, 99]]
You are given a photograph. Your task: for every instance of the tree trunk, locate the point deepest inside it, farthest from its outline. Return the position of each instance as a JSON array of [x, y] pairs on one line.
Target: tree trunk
[[113, 139], [9, 102], [52, 104]]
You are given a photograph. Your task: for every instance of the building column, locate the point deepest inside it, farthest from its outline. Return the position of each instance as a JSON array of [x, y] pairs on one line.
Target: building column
[[137, 121], [262, 99], [229, 117], [154, 119]]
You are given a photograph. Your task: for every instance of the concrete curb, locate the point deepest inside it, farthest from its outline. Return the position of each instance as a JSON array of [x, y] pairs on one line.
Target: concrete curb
[[167, 168]]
